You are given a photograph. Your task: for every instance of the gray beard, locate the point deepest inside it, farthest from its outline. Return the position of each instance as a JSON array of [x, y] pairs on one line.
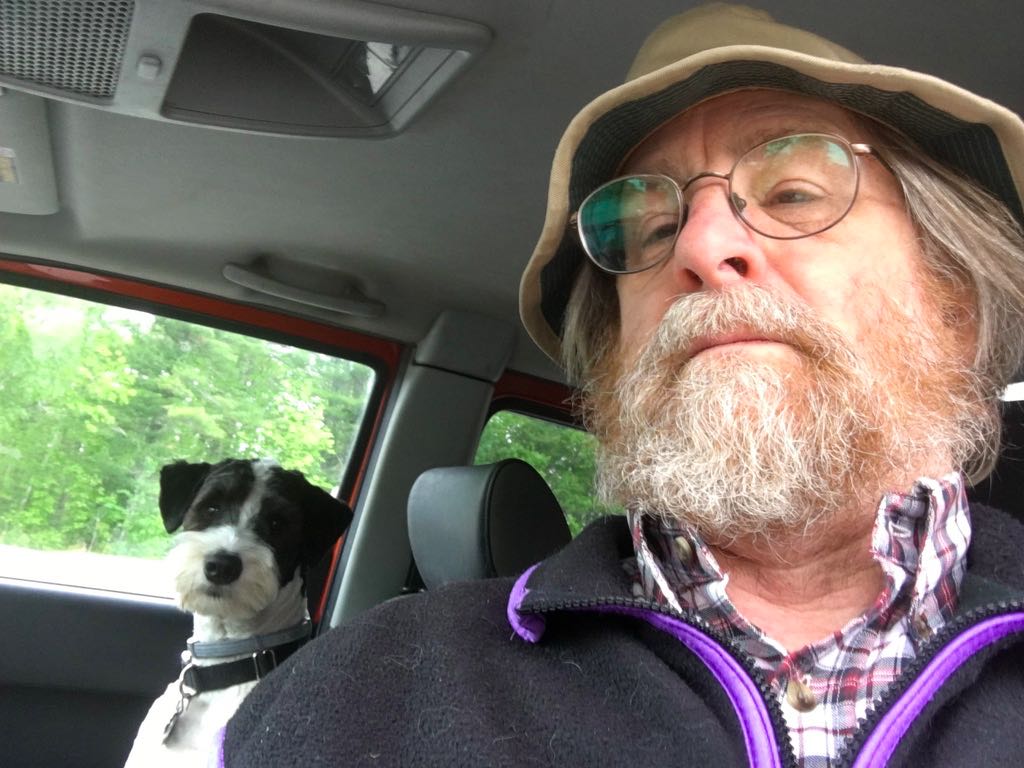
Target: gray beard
[[738, 447]]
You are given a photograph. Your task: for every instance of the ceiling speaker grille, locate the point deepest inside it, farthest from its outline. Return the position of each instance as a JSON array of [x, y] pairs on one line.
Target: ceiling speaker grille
[[71, 45]]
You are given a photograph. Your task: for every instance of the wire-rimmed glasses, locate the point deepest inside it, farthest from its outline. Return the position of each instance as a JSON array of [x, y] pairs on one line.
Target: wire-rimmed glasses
[[786, 188]]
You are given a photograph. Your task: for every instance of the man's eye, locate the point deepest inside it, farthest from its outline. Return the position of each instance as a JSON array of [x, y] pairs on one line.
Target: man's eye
[[660, 235], [657, 231], [793, 194]]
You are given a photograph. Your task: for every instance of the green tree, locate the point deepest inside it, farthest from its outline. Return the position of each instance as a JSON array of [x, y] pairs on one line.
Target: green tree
[[56, 495]]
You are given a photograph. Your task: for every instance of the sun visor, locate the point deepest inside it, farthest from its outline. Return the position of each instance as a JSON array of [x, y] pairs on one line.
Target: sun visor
[[27, 183]]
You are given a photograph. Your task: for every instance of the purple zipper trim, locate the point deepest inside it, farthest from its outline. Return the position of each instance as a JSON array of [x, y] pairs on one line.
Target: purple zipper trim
[[529, 627], [756, 724], [758, 732], [218, 759], [882, 742]]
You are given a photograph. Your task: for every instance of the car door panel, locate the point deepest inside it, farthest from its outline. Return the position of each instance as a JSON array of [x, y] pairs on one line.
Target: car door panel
[[86, 665]]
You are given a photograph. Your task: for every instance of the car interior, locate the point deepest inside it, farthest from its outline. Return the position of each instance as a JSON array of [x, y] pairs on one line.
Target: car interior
[[367, 181]]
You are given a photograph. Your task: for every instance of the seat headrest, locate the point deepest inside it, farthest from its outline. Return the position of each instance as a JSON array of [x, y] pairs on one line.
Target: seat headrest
[[478, 522]]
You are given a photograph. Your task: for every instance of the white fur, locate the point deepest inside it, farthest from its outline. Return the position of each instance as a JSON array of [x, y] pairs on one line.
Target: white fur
[[252, 605], [193, 742], [255, 589]]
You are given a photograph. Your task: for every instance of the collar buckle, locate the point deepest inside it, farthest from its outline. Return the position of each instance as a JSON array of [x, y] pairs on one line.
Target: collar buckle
[[264, 662]]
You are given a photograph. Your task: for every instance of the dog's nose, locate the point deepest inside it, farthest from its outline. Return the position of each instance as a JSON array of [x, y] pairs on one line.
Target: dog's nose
[[222, 567]]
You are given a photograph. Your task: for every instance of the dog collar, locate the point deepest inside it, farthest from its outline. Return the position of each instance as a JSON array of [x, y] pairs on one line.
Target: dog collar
[[218, 649], [214, 677], [260, 656]]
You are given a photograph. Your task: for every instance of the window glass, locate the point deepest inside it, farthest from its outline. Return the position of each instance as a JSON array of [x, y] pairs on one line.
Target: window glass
[[563, 455], [94, 399]]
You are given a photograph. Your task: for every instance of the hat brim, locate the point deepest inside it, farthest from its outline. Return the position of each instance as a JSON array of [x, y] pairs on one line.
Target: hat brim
[[966, 132]]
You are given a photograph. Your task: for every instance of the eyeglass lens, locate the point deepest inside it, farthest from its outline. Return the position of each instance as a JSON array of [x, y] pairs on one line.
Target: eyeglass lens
[[785, 188]]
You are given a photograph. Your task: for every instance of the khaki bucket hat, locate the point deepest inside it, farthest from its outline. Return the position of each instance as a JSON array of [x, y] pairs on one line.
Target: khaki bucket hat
[[720, 48]]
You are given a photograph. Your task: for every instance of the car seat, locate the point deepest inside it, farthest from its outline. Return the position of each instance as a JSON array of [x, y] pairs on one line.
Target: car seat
[[483, 521]]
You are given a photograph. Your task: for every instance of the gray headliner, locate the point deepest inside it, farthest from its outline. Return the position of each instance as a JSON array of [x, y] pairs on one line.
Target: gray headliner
[[445, 214]]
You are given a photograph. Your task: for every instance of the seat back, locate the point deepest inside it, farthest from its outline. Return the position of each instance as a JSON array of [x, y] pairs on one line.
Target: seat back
[[484, 521]]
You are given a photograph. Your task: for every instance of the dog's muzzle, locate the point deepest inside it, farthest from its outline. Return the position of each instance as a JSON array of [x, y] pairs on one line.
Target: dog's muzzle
[[222, 568]]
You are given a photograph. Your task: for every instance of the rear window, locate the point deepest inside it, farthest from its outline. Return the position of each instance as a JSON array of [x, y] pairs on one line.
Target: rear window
[[94, 399], [563, 455]]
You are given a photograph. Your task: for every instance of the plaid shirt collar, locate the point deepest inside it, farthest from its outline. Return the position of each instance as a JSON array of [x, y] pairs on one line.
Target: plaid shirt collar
[[920, 541]]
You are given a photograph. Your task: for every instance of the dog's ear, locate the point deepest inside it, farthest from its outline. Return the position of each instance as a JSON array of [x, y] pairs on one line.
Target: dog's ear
[[325, 518], [179, 483]]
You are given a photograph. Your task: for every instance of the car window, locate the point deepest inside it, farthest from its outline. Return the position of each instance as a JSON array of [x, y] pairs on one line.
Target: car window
[[96, 398], [563, 455]]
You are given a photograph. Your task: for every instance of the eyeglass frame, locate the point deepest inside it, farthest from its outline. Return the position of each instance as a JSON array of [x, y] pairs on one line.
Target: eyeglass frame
[[856, 149]]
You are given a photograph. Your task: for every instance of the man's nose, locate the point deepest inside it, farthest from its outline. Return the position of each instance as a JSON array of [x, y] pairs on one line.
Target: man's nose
[[714, 250]]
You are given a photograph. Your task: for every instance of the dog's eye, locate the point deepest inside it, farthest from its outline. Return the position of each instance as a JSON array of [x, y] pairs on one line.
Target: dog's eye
[[212, 509], [277, 523]]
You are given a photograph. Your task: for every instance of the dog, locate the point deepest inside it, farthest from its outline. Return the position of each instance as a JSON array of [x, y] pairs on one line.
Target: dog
[[247, 532]]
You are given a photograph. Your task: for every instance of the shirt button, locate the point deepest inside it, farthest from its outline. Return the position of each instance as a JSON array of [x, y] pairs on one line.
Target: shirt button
[[921, 626], [683, 549], [799, 696]]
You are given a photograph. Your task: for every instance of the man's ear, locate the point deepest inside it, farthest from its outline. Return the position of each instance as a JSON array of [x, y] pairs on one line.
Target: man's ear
[[179, 483], [325, 518]]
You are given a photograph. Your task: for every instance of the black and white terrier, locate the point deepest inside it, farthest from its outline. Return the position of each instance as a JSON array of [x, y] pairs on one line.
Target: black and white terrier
[[247, 533]]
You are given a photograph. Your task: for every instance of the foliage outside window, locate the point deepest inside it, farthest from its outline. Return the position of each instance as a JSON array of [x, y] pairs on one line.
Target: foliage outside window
[[95, 399], [563, 455]]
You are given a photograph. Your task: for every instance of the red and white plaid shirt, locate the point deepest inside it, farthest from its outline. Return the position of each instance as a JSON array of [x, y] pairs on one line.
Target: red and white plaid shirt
[[920, 541]]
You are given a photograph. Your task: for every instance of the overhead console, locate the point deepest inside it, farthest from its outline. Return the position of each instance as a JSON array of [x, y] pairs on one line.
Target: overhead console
[[289, 67]]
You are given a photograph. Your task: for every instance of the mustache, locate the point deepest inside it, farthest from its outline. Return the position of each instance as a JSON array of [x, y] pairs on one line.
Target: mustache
[[699, 320]]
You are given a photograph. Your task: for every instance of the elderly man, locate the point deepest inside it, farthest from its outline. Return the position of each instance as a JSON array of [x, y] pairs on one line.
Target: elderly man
[[791, 286]]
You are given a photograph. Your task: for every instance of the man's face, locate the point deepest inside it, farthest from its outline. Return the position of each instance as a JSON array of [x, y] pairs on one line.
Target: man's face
[[844, 273], [760, 385]]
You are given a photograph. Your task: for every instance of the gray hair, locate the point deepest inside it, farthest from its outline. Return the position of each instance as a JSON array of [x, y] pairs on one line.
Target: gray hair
[[970, 243]]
